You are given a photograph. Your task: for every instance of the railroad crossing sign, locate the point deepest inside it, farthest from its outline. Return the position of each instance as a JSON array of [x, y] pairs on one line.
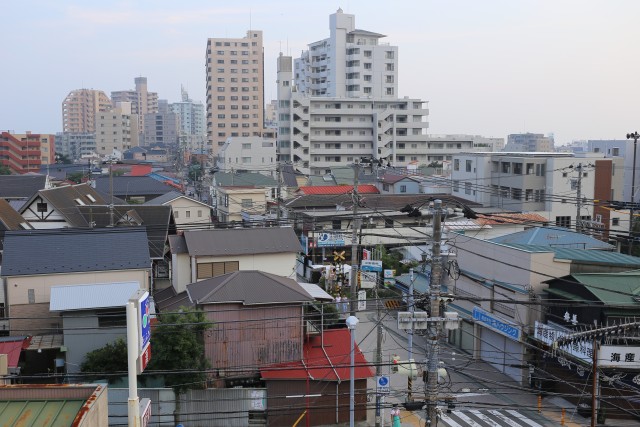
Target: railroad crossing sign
[[338, 256]]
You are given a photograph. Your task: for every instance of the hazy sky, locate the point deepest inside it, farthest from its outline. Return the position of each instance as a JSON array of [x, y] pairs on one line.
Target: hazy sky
[[487, 67]]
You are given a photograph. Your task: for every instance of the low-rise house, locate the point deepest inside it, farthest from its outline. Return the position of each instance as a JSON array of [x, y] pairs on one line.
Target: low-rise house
[[554, 237], [257, 319], [58, 207], [34, 261], [64, 405], [187, 212], [399, 184], [93, 315], [317, 383], [132, 189], [21, 187], [203, 254]]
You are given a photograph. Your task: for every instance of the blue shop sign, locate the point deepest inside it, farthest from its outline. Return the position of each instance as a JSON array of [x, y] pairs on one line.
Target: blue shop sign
[[496, 324]]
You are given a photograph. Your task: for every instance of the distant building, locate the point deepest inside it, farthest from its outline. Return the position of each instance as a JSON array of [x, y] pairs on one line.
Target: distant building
[[162, 127], [22, 153], [235, 88], [80, 108], [142, 101], [620, 148], [74, 145], [350, 63], [531, 142], [193, 130], [47, 145], [254, 153], [116, 131], [271, 114]]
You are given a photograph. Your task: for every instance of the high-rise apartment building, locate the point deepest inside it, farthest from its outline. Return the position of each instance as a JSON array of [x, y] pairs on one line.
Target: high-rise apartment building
[[142, 101], [161, 128], [80, 107], [350, 63], [115, 130], [193, 131], [235, 88]]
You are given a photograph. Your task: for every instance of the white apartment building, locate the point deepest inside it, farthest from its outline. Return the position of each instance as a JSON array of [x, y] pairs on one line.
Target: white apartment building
[[349, 63], [116, 130], [193, 130], [318, 133], [545, 183], [442, 148], [622, 148], [249, 154], [235, 88]]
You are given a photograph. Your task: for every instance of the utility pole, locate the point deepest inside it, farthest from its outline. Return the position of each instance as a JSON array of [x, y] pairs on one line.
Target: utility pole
[[279, 171], [410, 337], [579, 199], [111, 222], [635, 137], [594, 389], [433, 330], [354, 241], [378, 355]]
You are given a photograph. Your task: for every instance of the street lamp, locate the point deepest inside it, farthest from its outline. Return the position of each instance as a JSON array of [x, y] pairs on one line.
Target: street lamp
[[352, 321], [635, 137]]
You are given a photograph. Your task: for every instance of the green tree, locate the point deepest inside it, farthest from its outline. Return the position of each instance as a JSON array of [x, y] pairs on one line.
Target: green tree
[[76, 177], [110, 359], [4, 170], [177, 350]]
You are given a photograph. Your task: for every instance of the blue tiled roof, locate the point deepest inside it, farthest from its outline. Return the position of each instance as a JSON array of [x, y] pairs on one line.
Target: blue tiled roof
[[585, 255], [553, 237]]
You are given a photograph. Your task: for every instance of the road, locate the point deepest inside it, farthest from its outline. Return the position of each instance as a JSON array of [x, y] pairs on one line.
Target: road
[[481, 395]]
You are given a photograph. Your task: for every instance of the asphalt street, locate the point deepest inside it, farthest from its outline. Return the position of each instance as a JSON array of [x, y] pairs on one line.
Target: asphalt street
[[482, 395]]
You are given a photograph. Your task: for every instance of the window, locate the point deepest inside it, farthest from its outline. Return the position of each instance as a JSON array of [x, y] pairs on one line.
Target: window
[[176, 214], [529, 168], [207, 270], [403, 188], [31, 295], [540, 170], [468, 165], [506, 167], [42, 207], [563, 221], [336, 224], [516, 193], [112, 318], [247, 203], [528, 195], [467, 188], [456, 186], [188, 214], [615, 222], [456, 164], [517, 168]]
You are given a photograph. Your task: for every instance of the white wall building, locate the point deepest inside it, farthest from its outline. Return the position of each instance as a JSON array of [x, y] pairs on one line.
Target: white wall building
[[253, 153], [624, 149], [116, 130], [546, 183], [349, 63]]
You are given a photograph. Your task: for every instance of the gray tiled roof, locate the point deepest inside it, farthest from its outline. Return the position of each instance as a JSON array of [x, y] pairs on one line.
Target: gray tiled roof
[[20, 186], [247, 287], [241, 241], [157, 220], [70, 250], [129, 186], [63, 200]]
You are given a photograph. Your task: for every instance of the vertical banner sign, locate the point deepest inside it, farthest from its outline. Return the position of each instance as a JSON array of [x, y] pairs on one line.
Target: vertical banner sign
[[144, 325]]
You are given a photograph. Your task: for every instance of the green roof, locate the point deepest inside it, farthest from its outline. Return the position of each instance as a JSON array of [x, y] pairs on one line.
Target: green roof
[[40, 413], [612, 288], [244, 179], [591, 256]]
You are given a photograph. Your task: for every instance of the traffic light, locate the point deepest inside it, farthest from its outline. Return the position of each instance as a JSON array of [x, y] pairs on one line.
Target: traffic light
[[395, 359]]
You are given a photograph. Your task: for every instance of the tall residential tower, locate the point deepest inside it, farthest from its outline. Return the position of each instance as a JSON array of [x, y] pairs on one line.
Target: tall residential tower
[[80, 108], [235, 88]]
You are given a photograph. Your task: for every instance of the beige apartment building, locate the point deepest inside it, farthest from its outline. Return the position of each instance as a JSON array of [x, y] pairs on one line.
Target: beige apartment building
[[116, 131], [235, 88], [142, 101], [80, 108]]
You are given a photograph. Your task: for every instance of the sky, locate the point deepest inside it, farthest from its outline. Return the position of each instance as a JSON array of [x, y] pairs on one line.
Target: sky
[[486, 67]]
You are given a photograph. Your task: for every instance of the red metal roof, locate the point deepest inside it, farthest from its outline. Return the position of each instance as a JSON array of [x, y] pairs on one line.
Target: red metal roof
[[13, 349], [338, 189], [332, 364]]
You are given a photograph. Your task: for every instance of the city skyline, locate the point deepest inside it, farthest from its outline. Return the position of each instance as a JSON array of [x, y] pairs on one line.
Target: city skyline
[[489, 68]]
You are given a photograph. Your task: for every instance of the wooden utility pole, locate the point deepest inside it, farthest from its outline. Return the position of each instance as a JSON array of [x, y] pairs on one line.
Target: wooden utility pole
[[354, 243]]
